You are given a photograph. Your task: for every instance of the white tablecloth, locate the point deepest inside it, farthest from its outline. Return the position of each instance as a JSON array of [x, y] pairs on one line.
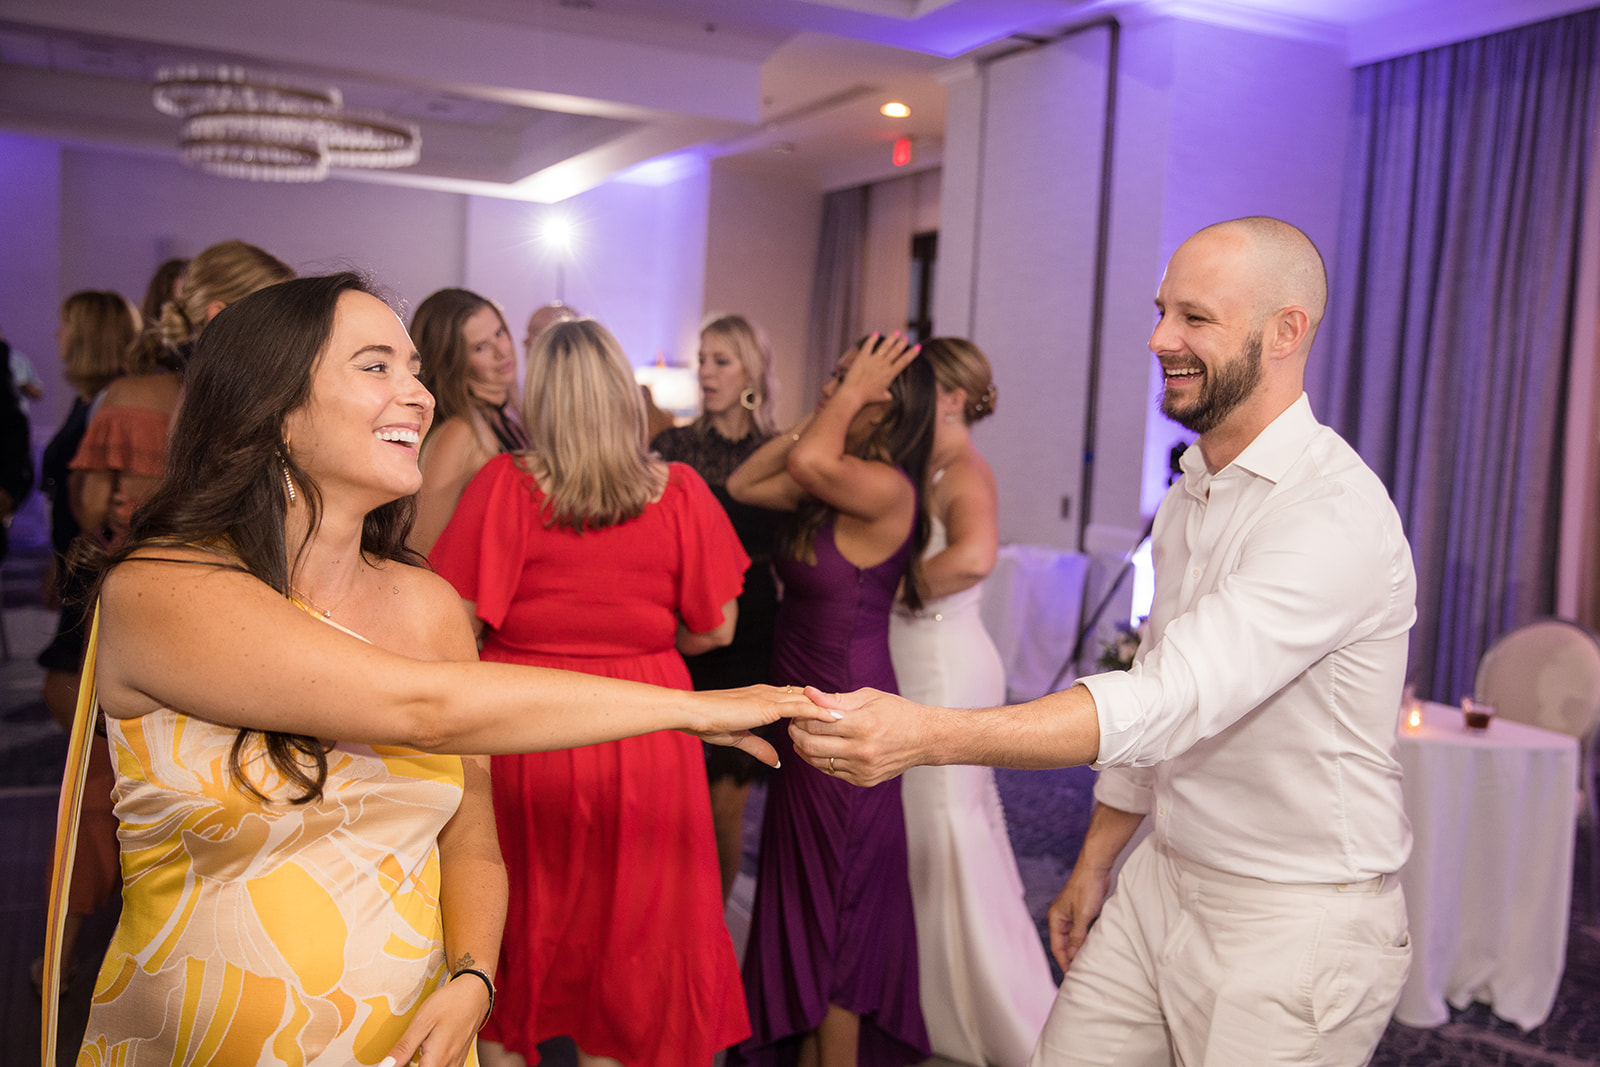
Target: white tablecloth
[[1489, 881]]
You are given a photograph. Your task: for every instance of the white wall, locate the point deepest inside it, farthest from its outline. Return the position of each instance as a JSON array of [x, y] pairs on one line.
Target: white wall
[[761, 254], [1026, 222], [1211, 123], [636, 262], [1262, 134]]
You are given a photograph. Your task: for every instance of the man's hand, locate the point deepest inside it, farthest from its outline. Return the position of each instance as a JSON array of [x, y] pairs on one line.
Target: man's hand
[[879, 736], [1075, 908]]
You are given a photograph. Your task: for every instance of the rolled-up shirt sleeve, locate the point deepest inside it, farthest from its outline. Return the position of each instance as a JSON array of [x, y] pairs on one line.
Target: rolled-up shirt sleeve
[[1310, 576]]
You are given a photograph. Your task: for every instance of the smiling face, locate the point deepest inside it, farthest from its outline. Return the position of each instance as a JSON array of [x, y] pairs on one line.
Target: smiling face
[[367, 413], [722, 375], [1206, 337], [491, 360]]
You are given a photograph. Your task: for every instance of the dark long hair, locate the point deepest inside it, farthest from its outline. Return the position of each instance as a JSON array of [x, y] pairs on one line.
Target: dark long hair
[[223, 487], [904, 439]]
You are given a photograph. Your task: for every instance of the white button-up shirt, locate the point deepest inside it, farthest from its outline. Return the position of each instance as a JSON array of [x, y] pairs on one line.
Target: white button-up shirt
[[1258, 721]]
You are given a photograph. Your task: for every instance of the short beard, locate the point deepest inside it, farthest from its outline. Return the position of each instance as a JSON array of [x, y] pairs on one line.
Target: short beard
[[1223, 390]]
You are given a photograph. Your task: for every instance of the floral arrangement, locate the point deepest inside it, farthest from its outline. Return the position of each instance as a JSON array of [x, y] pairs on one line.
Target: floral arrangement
[[1116, 654]]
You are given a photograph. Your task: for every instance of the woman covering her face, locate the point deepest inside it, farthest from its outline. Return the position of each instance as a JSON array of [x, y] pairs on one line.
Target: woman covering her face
[[831, 967]]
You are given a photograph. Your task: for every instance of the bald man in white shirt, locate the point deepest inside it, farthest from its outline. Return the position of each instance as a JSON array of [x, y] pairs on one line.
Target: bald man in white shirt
[[1260, 922]]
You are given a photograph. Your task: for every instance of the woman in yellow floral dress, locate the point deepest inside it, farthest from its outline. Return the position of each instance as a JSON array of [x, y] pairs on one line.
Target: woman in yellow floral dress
[[289, 898]]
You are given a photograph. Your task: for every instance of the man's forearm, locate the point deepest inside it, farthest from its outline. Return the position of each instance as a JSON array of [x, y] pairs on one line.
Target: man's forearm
[[1057, 730], [1110, 830]]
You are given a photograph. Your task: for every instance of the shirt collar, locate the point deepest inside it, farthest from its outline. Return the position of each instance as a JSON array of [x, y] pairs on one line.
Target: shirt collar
[[1272, 452]]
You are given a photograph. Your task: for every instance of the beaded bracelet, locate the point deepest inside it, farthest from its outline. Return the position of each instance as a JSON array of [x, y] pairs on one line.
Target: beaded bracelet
[[489, 985]]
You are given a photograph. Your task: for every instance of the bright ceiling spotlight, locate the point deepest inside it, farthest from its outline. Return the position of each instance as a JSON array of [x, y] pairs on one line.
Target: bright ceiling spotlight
[[896, 110], [558, 233]]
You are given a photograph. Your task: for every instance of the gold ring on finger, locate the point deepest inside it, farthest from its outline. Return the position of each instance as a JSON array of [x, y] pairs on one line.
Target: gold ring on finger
[[830, 766]]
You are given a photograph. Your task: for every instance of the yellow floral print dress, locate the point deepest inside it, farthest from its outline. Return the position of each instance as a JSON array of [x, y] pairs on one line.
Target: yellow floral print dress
[[256, 933]]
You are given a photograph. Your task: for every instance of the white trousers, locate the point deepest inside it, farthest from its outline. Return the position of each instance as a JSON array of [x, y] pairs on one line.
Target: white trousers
[[1191, 966]]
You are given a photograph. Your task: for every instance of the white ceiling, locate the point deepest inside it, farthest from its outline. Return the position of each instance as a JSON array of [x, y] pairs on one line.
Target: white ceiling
[[541, 99]]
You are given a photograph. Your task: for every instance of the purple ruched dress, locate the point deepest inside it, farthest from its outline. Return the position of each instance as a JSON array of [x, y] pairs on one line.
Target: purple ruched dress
[[833, 921]]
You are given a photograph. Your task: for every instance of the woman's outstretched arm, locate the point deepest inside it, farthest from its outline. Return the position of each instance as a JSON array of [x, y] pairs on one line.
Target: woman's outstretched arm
[[221, 645]]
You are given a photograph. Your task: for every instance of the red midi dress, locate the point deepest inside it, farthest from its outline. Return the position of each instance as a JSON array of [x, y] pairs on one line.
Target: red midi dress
[[614, 933]]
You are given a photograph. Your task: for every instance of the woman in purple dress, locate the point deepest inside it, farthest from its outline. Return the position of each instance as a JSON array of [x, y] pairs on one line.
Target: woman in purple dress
[[831, 967]]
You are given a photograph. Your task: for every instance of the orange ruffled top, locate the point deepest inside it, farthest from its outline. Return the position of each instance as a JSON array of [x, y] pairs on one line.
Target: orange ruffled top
[[121, 438]]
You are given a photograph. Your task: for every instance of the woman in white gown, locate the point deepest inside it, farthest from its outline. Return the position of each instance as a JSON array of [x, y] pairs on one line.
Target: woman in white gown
[[986, 985]]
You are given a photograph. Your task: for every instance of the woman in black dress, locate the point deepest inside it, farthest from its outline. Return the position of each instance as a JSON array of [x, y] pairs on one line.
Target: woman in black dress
[[736, 418]]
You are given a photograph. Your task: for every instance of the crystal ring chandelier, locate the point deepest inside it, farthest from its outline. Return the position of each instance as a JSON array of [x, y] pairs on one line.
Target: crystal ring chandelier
[[241, 125]]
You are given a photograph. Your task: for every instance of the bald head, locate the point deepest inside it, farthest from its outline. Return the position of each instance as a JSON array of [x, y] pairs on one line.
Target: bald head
[[543, 318], [1277, 265]]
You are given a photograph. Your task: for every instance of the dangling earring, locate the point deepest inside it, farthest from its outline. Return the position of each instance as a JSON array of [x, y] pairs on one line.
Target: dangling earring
[[283, 461], [747, 399]]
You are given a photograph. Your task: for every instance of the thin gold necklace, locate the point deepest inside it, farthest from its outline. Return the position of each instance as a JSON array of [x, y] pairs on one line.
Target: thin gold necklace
[[304, 602]]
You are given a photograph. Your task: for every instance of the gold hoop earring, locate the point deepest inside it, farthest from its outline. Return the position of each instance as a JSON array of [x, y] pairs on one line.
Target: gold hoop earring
[[747, 399]]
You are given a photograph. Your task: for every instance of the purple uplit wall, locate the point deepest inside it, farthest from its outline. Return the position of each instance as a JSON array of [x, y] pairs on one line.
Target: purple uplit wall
[[30, 215], [1257, 127], [77, 218]]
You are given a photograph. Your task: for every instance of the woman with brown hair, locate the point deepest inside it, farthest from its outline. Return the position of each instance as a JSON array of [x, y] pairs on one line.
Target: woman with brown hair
[[303, 881], [470, 367], [588, 553]]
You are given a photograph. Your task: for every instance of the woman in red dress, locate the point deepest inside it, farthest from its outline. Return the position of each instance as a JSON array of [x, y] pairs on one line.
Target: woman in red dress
[[588, 553]]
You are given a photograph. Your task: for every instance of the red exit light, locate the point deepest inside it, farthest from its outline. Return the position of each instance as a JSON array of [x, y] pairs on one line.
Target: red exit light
[[902, 152]]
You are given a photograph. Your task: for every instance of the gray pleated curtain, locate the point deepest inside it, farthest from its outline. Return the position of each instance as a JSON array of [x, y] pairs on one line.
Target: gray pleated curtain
[[836, 285], [1445, 355]]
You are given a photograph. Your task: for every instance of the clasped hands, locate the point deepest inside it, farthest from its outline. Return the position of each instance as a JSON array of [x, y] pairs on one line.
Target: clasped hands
[[869, 737], [864, 737]]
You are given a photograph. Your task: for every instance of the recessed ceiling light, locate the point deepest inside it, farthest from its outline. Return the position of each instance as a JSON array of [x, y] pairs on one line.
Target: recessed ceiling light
[[895, 110]]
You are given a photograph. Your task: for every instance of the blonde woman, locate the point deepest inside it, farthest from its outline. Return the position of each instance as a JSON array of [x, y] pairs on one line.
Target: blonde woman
[[224, 272], [470, 367], [984, 980], [588, 553], [735, 420]]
